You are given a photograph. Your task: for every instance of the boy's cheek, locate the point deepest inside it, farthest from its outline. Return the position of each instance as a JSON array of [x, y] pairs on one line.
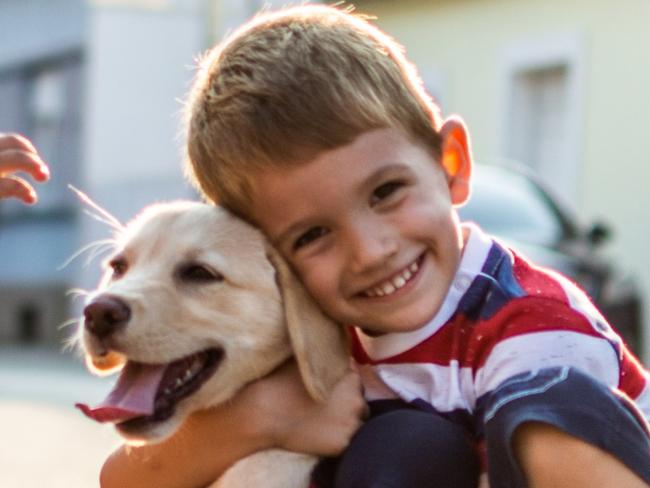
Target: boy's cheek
[[317, 287]]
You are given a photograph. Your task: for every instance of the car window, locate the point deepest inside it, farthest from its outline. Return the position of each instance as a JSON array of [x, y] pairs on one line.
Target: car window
[[509, 205]]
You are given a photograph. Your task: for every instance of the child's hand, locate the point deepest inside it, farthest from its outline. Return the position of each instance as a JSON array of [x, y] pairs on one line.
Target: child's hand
[[17, 154], [273, 412], [296, 422]]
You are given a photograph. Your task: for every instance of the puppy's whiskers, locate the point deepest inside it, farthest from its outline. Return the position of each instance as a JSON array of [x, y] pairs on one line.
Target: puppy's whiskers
[[72, 343], [76, 293], [94, 249], [104, 215], [69, 322]]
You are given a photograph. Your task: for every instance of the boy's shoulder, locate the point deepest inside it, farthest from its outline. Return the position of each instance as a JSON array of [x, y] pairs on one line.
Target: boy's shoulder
[[508, 283]]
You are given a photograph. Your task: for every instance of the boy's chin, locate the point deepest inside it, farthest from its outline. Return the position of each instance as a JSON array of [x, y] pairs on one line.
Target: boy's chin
[[372, 333], [380, 330]]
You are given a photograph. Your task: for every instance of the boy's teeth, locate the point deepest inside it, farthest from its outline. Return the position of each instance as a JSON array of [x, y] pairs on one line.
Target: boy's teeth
[[399, 282], [388, 288], [395, 283]]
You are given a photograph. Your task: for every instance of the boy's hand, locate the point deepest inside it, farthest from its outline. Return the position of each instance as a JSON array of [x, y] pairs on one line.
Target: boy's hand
[[17, 154], [296, 422]]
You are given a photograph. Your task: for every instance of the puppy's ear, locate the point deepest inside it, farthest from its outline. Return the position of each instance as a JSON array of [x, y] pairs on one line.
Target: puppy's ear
[[320, 345]]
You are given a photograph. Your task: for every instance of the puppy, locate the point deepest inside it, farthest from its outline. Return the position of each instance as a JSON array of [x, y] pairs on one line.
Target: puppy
[[193, 306]]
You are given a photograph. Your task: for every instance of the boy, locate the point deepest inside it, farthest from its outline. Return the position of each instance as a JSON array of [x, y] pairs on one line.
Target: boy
[[311, 124]]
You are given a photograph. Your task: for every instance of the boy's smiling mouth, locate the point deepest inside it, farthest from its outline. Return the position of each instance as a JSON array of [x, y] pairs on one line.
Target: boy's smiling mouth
[[396, 282]]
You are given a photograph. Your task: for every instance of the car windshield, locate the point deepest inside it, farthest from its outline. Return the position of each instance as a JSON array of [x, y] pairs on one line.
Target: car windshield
[[509, 205]]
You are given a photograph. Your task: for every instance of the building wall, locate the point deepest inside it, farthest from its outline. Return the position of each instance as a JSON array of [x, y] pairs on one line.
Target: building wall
[[34, 314], [30, 30], [464, 49], [141, 57], [119, 138], [41, 96]]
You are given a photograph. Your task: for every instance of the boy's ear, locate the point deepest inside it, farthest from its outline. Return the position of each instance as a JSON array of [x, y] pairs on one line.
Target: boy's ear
[[320, 346], [456, 158]]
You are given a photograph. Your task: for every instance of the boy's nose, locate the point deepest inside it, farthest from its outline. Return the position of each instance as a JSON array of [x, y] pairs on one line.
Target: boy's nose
[[369, 250]]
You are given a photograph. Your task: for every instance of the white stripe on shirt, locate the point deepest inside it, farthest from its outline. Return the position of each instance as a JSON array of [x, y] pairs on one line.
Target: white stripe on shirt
[[537, 350]]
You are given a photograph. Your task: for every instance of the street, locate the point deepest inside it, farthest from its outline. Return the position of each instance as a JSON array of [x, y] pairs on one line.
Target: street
[[46, 441]]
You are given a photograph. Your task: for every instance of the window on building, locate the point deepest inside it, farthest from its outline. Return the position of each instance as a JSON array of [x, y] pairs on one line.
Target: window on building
[[43, 101], [539, 118], [542, 115], [28, 321]]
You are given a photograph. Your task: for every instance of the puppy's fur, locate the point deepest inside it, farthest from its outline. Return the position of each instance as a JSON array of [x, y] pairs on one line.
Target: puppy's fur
[[194, 277]]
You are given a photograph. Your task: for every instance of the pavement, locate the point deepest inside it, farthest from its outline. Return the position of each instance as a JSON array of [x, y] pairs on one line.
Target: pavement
[[46, 441]]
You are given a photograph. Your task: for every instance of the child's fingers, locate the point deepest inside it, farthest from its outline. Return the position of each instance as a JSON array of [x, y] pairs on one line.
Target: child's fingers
[[16, 141], [14, 187], [17, 153], [14, 160]]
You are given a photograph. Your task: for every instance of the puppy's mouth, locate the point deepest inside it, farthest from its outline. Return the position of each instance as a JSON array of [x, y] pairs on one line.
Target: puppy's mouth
[[149, 393]]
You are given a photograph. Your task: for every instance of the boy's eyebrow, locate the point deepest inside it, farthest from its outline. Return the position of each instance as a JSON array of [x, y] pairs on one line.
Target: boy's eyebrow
[[382, 172], [370, 180]]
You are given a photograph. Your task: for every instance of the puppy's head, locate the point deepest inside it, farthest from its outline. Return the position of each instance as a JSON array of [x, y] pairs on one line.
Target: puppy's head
[[190, 309]]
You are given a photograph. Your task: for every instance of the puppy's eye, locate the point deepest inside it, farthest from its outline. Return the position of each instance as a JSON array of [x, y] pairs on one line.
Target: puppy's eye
[[119, 267], [197, 273]]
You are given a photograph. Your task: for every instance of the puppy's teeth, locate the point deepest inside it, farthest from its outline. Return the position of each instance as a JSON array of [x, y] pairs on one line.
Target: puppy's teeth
[[179, 382], [413, 267], [195, 367], [407, 275], [399, 282], [168, 391]]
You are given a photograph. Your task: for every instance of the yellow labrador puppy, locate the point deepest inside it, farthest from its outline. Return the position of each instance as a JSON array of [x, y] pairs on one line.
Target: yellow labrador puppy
[[191, 308]]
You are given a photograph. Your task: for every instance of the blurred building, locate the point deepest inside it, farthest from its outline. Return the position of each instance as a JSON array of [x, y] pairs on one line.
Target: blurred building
[[98, 86], [42, 61], [559, 85]]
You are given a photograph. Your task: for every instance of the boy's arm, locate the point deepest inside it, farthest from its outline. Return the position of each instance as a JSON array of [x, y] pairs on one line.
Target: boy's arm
[[195, 456], [554, 386], [273, 412]]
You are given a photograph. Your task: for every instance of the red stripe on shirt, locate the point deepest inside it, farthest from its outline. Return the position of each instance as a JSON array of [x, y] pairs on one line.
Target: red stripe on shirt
[[470, 343], [632, 380]]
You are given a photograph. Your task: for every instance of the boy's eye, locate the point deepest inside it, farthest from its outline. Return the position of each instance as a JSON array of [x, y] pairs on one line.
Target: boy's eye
[[309, 236], [385, 190]]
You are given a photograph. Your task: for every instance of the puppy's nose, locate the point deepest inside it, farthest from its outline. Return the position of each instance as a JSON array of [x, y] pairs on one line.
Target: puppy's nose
[[104, 315]]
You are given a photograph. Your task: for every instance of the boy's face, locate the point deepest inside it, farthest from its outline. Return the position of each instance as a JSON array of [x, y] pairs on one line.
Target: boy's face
[[370, 227]]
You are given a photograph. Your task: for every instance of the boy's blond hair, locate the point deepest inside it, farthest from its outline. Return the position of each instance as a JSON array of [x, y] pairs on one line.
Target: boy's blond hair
[[291, 84]]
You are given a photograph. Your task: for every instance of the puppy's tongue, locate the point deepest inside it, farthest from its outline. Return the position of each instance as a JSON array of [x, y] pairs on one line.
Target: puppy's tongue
[[132, 396]]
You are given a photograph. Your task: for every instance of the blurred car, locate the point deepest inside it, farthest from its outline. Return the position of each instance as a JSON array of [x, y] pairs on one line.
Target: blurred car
[[513, 205]]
